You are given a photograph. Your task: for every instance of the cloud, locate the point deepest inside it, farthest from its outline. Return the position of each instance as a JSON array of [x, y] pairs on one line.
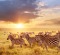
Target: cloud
[[55, 21], [50, 22], [15, 10]]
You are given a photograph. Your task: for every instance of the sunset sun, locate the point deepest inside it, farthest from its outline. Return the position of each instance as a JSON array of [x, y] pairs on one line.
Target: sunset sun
[[19, 25]]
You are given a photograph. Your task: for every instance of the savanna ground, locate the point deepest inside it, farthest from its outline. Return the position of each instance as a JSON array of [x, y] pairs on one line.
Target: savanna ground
[[5, 48]]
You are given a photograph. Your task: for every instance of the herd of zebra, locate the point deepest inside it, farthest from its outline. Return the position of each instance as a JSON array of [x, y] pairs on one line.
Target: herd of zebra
[[42, 39]]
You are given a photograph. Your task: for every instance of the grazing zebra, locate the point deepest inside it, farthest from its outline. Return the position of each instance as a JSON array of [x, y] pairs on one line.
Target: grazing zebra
[[16, 41], [31, 40]]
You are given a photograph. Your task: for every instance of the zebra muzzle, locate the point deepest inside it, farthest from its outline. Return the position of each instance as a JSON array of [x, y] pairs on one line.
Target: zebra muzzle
[[7, 38]]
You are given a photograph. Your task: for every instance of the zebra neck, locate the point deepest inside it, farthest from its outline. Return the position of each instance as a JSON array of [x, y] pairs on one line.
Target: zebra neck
[[11, 39], [27, 38]]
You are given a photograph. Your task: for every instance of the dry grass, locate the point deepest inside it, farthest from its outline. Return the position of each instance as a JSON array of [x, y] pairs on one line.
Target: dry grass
[[5, 49], [27, 51]]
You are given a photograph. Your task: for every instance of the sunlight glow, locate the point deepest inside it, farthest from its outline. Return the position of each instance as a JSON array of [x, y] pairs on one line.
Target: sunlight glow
[[19, 25]]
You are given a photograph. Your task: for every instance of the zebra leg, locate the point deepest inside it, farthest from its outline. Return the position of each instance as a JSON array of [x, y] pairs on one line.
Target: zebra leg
[[25, 44], [58, 49], [40, 44], [45, 44], [30, 45], [21, 45], [46, 47], [12, 45]]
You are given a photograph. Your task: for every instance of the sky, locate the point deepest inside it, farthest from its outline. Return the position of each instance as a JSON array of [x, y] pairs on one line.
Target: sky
[[32, 13]]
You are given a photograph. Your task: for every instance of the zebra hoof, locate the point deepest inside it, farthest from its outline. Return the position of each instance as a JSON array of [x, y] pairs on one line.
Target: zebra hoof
[[21, 46], [10, 47], [59, 47], [25, 44]]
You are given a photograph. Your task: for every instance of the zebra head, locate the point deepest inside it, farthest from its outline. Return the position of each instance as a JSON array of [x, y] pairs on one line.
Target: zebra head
[[10, 37]]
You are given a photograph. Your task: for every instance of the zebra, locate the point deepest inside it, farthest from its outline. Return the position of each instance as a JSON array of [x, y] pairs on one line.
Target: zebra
[[31, 40], [55, 39], [38, 40], [16, 41], [49, 41]]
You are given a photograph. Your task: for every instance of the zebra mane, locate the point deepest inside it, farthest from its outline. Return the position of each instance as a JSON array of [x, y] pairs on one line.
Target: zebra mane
[[11, 37]]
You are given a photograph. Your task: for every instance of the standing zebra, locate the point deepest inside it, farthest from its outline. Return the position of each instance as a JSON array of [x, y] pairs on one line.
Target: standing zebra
[[38, 40], [49, 41], [31, 40], [16, 41]]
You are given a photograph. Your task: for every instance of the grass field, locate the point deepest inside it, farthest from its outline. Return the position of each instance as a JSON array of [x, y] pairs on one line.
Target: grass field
[[5, 48]]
